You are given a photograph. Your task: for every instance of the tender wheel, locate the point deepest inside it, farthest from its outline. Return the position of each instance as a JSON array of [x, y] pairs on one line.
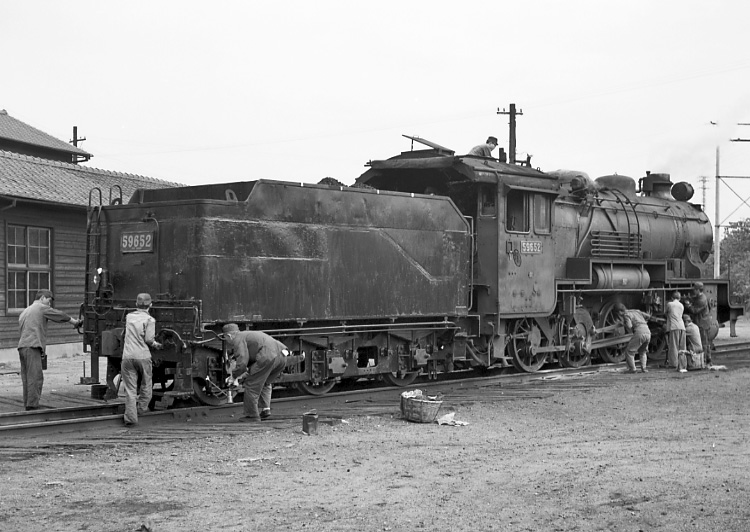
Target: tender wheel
[[525, 339], [574, 335], [207, 393], [316, 389], [615, 353], [405, 380]]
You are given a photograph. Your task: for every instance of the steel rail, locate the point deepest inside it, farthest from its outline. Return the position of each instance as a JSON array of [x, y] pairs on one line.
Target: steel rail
[[65, 420], [59, 414], [97, 417]]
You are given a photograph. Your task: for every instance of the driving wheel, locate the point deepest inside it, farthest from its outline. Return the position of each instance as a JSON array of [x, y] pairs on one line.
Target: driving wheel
[[612, 354], [525, 339], [575, 336]]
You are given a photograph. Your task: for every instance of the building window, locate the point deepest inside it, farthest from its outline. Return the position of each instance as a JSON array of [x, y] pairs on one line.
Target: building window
[[28, 264]]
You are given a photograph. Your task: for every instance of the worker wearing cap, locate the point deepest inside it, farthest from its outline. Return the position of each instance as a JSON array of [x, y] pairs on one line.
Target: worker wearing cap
[[635, 322], [485, 150], [33, 342], [701, 312], [260, 359], [140, 329]]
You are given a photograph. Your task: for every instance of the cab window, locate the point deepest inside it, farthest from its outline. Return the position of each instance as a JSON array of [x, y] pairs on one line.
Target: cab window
[[542, 214], [488, 199], [517, 211]]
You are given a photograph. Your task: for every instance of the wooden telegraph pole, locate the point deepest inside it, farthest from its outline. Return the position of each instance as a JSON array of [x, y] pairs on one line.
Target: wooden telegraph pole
[[512, 137]]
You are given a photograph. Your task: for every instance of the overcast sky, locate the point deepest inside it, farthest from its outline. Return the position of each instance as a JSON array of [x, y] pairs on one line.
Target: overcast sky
[[199, 92]]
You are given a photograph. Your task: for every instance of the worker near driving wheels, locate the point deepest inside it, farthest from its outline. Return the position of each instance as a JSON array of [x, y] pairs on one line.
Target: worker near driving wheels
[[140, 329], [700, 309], [260, 359], [693, 345], [675, 330], [635, 321]]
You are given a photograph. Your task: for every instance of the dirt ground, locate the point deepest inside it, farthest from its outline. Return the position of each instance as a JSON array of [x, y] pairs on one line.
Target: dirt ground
[[603, 451]]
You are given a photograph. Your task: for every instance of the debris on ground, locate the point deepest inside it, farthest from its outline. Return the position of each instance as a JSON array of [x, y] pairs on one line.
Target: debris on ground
[[448, 419]]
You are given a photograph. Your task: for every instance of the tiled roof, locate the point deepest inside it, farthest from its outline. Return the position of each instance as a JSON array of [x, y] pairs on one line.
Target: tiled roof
[[22, 176], [13, 129]]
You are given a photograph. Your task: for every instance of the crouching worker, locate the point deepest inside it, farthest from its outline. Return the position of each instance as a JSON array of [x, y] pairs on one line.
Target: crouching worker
[[140, 329], [694, 348], [260, 360], [635, 321]]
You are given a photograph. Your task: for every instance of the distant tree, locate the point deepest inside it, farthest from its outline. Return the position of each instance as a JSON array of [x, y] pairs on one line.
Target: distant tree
[[735, 259]]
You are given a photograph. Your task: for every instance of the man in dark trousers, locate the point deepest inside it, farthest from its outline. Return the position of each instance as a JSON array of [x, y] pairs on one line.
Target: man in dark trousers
[[701, 312], [260, 360], [33, 342]]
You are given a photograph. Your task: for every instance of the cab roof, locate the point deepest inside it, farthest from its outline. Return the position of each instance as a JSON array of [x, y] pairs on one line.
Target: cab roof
[[440, 166]]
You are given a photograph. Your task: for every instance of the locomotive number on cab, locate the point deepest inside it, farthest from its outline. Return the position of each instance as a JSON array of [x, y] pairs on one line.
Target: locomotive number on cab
[[137, 242], [531, 246]]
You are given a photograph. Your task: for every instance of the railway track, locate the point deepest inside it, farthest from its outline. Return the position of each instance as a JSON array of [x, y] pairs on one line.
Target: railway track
[[91, 419], [336, 404], [77, 419], [735, 348]]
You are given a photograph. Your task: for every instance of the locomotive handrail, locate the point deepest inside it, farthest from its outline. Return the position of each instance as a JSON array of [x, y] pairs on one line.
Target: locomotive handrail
[[151, 218], [586, 233], [117, 200], [174, 334], [625, 203], [359, 327], [208, 340], [472, 243], [681, 216], [100, 196]]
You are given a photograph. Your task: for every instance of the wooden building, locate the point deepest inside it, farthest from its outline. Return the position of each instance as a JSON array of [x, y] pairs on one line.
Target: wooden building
[[44, 201]]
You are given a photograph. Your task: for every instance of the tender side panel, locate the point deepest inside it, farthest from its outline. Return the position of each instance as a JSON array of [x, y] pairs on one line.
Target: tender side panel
[[292, 252]]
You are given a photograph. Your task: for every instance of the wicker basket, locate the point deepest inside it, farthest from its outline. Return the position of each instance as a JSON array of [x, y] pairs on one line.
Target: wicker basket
[[419, 409]]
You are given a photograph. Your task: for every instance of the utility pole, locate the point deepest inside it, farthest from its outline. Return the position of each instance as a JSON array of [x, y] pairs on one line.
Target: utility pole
[[717, 229], [704, 189], [76, 139], [512, 137]]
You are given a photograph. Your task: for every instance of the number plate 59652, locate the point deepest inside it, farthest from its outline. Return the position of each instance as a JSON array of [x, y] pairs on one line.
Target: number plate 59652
[[531, 246], [137, 242]]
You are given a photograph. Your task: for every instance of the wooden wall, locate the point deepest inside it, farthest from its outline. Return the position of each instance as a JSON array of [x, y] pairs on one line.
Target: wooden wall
[[68, 225]]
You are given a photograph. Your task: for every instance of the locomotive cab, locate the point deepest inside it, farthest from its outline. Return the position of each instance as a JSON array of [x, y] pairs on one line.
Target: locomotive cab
[[511, 212]]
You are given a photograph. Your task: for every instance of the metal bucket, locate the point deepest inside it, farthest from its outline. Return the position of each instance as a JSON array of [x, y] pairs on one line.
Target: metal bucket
[[310, 423]]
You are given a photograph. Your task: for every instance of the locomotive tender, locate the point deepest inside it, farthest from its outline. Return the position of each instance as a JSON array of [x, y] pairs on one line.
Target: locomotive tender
[[431, 263]]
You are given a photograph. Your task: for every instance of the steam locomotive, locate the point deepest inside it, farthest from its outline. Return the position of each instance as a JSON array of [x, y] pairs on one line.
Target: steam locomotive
[[431, 263]]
